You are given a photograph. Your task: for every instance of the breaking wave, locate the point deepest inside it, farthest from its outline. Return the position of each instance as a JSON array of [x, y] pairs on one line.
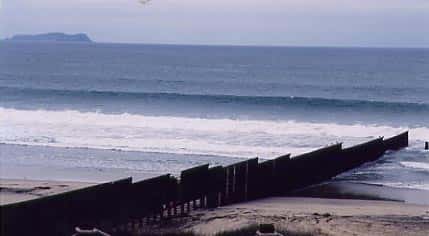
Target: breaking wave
[[167, 134]]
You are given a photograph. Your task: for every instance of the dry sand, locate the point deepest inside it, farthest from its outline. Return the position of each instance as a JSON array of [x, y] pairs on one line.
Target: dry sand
[[315, 215]]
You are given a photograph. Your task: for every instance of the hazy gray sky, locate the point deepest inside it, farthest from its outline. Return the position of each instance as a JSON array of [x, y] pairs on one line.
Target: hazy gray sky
[[388, 23]]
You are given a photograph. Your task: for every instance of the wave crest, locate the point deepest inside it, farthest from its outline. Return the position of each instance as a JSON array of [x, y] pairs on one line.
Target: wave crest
[[220, 98], [224, 137]]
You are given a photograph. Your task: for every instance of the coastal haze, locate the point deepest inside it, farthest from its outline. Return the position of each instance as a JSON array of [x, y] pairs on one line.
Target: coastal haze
[[366, 23]]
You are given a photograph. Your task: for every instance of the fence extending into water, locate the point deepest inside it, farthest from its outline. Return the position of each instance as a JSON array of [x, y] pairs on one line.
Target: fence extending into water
[[109, 205]]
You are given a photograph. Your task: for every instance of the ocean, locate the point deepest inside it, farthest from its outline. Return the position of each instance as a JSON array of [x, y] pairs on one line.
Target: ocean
[[95, 112]]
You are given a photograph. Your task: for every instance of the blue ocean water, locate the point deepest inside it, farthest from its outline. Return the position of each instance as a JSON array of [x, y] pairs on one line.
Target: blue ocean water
[[150, 109]]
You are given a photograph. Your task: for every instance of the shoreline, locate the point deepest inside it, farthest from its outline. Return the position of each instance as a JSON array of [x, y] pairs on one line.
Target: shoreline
[[17, 190], [363, 191]]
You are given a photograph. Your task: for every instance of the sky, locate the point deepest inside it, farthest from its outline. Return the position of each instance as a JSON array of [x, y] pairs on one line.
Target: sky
[[365, 23]]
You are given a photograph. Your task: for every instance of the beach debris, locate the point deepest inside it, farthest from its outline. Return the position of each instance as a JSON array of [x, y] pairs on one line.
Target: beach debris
[[323, 215], [267, 230], [93, 231]]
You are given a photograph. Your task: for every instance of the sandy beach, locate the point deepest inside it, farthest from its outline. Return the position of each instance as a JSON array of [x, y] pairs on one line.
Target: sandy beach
[[14, 190], [317, 216]]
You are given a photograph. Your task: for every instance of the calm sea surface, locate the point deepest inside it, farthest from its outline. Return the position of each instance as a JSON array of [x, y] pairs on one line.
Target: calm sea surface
[[94, 112]]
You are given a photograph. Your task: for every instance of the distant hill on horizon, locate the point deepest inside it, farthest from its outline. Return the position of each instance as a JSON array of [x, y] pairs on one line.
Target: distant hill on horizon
[[52, 37]]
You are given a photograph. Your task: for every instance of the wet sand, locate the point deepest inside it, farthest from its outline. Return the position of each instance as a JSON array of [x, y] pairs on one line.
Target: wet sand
[[349, 190]]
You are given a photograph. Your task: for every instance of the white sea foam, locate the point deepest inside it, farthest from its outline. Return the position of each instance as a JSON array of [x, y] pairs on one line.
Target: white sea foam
[[415, 165], [226, 137], [407, 185]]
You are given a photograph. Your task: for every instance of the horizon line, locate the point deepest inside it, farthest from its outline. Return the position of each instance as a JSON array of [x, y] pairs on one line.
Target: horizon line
[[223, 44]]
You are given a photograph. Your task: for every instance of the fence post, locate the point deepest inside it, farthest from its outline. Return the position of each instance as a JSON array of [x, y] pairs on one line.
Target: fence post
[[182, 208], [246, 182], [227, 186]]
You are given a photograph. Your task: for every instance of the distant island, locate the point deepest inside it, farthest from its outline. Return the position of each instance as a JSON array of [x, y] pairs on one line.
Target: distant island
[[52, 37]]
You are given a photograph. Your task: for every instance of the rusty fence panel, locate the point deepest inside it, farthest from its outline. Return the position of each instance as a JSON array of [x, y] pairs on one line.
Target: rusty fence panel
[[397, 142], [59, 214], [282, 177], [217, 184], [266, 179], [149, 198], [355, 156], [193, 185], [251, 188], [310, 168]]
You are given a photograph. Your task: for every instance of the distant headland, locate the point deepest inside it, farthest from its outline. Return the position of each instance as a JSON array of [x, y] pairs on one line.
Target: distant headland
[[52, 37]]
